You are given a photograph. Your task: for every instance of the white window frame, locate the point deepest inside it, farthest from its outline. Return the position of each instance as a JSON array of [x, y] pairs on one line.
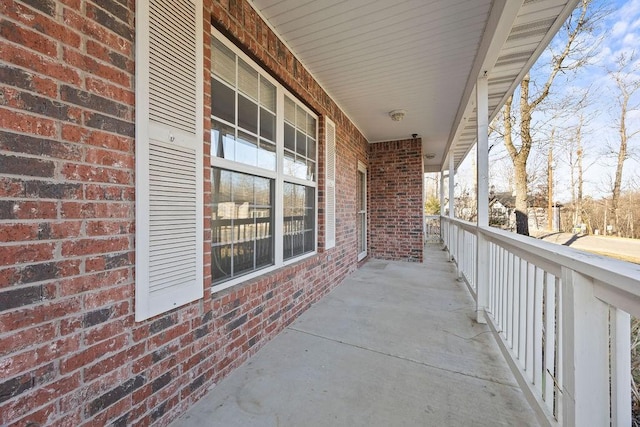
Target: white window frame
[[276, 175], [362, 168]]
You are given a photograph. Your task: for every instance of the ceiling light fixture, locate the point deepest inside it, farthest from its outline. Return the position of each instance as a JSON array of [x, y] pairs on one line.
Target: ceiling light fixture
[[397, 115]]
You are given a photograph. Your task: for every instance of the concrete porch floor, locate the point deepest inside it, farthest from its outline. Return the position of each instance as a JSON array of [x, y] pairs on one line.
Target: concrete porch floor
[[395, 345]]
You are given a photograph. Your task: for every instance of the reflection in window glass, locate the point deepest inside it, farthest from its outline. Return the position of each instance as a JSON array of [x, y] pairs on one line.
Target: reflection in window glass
[[223, 101], [299, 220], [247, 149], [267, 155], [222, 141], [241, 224], [267, 124], [299, 138], [247, 114]]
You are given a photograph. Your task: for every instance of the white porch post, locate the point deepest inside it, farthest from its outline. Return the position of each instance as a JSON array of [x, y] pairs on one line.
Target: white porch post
[[453, 240], [482, 197], [442, 193], [584, 372], [442, 234]]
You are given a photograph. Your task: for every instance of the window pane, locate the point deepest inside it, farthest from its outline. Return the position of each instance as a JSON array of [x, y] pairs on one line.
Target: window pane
[[242, 186], [267, 125], [301, 144], [264, 239], [267, 155], [299, 220], [289, 110], [221, 262], [247, 149], [301, 118], [289, 137], [223, 62], [222, 141], [247, 80], [262, 188], [267, 95], [247, 114], [223, 101], [242, 223], [311, 170], [289, 163], [311, 149], [300, 168], [311, 126]]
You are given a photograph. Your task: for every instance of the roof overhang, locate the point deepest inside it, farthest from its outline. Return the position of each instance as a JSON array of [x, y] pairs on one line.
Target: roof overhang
[[422, 56]]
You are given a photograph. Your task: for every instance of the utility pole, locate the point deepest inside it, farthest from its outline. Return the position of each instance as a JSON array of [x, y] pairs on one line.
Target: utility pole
[[604, 229]]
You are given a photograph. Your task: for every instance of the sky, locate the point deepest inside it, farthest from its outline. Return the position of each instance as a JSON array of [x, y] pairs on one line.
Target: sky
[[617, 33]]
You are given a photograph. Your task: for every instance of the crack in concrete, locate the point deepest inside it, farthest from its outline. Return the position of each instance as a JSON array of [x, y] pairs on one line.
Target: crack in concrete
[[407, 359]]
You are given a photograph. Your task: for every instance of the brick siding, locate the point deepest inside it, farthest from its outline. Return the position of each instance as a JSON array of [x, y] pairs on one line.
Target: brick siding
[[395, 200], [70, 351]]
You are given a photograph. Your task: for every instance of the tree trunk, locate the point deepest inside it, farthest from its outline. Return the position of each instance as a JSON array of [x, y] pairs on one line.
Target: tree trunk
[[522, 205], [622, 156]]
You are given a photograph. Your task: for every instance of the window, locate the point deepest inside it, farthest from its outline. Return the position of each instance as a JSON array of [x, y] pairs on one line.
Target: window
[[361, 210], [263, 170]]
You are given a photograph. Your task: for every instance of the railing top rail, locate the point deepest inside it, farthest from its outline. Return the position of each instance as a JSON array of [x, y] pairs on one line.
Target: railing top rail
[[610, 272]]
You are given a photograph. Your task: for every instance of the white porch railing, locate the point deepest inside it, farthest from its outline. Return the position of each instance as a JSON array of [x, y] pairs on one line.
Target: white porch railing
[[432, 228], [560, 317]]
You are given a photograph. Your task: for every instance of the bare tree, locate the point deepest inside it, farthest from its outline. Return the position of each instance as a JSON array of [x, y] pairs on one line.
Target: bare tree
[[575, 52], [627, 83]]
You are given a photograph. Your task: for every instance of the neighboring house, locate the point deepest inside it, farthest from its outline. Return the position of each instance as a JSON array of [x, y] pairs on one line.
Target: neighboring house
[[176, 187], [502, 212]]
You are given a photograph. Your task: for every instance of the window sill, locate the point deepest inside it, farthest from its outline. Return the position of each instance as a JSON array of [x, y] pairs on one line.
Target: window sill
[[262, 272]]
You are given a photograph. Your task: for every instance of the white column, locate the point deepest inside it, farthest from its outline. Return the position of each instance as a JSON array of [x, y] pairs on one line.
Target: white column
[[482, 198], [453, 239], [442, 234], [442, 193]]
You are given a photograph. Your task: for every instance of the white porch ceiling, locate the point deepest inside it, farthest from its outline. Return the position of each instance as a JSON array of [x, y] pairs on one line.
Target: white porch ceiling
[[423, 56]]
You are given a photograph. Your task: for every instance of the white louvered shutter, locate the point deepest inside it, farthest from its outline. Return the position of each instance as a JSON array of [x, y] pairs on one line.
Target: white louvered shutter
[[330, 205], [169, 155]]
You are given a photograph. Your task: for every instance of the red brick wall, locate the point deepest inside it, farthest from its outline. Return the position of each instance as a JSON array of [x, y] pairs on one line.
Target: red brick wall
[[70, 351], [395, 200]]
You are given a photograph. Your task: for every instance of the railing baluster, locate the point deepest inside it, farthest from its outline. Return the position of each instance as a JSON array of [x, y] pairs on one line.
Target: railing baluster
[[620, 362], [530, 328], [522, 314], [509, 300], [548, 358], [538, 325], [515, 314], [557, 362]]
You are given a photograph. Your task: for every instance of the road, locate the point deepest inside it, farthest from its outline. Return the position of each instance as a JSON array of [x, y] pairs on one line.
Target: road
[[617, 247]]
